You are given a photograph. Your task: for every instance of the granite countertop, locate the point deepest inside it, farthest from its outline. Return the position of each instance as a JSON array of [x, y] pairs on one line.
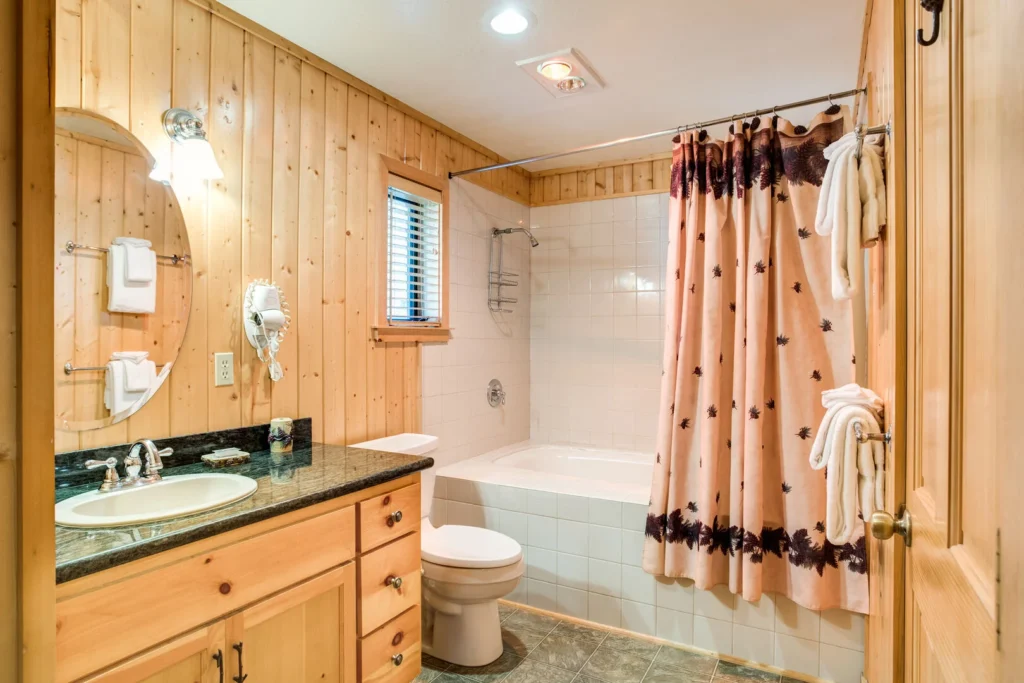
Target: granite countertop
[[285, 482]]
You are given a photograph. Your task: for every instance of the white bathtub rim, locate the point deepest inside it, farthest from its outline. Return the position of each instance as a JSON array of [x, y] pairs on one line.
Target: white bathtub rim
[[483, 469]]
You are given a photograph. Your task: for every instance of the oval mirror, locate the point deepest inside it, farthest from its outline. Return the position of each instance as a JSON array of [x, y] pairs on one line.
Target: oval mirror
[[123, 276]]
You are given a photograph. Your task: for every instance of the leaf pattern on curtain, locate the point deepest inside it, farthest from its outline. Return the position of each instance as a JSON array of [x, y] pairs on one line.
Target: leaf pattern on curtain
[[765, 338]]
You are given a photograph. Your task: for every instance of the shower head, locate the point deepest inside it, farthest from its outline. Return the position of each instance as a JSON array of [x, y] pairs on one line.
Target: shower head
[[509, 231]]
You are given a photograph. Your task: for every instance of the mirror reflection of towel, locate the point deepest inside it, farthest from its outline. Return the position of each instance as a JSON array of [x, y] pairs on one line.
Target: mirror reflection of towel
[[126, 296], [120, 375]]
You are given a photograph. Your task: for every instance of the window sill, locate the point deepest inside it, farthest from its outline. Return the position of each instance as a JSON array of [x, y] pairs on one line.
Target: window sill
[[412, 334]]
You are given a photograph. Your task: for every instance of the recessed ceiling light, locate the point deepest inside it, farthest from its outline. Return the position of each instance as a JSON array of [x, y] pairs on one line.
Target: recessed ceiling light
[[555, 69], [510, 22], [571, 84]]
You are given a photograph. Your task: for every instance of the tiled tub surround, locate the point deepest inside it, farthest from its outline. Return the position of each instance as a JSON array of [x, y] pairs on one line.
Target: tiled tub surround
[[484, 345], [596, 321], [583, 557]]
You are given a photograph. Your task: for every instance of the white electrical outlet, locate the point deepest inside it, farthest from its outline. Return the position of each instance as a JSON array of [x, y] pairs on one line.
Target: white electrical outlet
[[223, 369]]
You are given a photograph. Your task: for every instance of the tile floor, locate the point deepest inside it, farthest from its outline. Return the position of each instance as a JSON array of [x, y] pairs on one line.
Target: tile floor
[[544, 649]]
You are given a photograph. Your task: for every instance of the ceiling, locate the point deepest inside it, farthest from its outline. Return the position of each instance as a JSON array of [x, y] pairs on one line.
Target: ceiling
[[664, 62]]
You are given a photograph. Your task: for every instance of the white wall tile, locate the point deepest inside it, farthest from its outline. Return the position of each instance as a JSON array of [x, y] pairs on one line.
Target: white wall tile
[[605, 543], [793, 620], [634, 516], [576, 508], [603, 609], [840, 664], [760, 614], [542, 564], [572, 571], [512, 498], [712, 634], [605, 577], [542, 503], [541, 594], [754, 644], [716, 603], [674, 626], [674, 594], [465, 514], [519, 594], [638, 585], [514, 525], [632, 548], [439, 512], [842, 628], [639, 618], [572, 537], [605, 512], [796, 654], [542, 531], [572, 602]]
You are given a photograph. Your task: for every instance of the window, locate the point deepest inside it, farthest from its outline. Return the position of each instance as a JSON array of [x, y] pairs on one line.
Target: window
[[414, 279]]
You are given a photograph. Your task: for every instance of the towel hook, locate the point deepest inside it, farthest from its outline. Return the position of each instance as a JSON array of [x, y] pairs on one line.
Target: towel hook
[[935, 7], [862, 437]]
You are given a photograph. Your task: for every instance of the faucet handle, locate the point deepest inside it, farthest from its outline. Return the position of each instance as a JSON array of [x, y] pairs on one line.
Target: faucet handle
[[154, 462], [110, 479]]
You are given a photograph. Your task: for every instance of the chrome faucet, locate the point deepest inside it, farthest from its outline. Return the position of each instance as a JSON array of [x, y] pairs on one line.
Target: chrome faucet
[[132, 466]]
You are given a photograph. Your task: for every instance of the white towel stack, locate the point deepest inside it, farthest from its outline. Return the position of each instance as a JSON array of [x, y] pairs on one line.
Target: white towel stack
[[131, 276], [855, 471], [851, 208], [130, 377]]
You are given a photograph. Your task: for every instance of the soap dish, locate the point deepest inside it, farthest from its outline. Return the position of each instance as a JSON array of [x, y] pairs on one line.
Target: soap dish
[[226, 457]]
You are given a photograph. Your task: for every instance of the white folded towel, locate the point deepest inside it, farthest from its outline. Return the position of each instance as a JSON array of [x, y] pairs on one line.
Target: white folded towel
[[139, 372], [126, 296], [115, 396], [851, 208], [855, 471], [852, 394], [140, 260]]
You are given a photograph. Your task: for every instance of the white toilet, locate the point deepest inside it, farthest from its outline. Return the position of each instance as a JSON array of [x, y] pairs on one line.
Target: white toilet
[[465, 571]]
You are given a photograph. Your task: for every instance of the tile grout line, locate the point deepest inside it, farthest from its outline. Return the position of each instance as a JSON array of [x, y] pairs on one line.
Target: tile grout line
[[651, 665], [580, 672]]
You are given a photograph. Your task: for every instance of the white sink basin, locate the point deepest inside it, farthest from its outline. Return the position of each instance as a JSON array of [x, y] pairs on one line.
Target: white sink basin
[[172, 497]]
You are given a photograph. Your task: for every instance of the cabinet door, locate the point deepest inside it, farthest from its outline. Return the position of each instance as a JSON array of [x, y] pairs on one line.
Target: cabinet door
[[305, 633], [195, 657]]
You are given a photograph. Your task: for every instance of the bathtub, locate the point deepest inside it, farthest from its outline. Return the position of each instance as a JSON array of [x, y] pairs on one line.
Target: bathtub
[[622, 476]]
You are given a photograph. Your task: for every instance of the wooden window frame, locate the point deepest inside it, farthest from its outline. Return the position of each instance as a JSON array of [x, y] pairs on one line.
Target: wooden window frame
[[383, 330]]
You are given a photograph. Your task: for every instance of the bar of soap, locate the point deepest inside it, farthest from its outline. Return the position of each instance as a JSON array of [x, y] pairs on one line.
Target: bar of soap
[[226, 457]]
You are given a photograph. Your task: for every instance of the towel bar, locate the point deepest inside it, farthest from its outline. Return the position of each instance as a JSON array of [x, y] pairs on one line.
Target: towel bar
[[175, 259], [69, 368], [864, 438]]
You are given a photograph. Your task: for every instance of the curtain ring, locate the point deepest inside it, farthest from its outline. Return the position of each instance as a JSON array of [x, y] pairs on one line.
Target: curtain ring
[[830, 102]]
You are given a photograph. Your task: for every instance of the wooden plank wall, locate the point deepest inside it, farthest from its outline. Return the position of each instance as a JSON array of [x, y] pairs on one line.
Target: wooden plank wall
[[625, 178], [101, 193], [298, 141]]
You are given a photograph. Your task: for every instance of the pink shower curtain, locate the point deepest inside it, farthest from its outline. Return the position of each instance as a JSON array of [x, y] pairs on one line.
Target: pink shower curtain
[[752, 338]]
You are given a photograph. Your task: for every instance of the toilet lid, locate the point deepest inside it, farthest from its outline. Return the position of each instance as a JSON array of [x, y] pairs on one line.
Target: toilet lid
[[469, 547]]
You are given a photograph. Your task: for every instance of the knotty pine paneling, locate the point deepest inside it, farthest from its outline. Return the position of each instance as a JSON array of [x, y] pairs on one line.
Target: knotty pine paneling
[[298, 141], [626, 178]]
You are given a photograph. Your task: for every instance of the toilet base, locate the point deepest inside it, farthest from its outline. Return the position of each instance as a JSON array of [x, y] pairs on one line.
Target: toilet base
[[472, 638]]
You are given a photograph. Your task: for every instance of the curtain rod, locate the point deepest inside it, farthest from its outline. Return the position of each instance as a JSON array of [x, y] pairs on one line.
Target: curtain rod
[[661, 133]]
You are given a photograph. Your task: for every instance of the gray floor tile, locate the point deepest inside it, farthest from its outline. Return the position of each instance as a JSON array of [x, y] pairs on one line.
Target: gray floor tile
[[520, 641], [585, 679], [504, 611], [634, 646], [489, 673], [535, 672], [670, 676], [449, 678], [613, 666], [534, 622], [564, 651], [674, 659], [572, 630], [735, 673]]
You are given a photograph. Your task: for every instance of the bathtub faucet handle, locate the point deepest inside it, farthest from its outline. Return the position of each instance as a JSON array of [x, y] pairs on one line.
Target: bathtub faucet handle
[[495, 394]]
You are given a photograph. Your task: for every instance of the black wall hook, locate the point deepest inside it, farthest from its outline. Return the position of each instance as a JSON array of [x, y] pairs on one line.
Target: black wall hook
[[935, 7]]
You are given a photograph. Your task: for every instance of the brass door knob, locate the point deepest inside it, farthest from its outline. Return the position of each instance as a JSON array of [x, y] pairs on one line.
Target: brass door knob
[[883, 525], [393, 581], [394, 518]]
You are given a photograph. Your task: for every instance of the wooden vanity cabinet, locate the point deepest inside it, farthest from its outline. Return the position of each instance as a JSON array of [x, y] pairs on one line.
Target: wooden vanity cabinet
[[235, 606]]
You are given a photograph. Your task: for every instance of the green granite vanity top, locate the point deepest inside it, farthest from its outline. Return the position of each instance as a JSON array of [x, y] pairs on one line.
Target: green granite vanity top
[[285, 482]]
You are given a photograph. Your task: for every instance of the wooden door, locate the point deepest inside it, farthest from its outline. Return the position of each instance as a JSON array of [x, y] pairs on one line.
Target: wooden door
[[953, 382], [195, 657], [305, 633]]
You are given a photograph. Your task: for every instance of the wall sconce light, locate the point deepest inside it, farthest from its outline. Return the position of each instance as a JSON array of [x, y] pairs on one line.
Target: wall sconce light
[[186, 130]]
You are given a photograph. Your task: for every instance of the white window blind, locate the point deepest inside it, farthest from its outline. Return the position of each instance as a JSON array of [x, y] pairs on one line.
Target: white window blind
[[414, 254]]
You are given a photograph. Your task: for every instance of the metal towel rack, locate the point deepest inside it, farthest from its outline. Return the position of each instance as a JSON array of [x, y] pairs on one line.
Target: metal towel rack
[[861, 130], [864, 437], [69, 368], [175, 259]]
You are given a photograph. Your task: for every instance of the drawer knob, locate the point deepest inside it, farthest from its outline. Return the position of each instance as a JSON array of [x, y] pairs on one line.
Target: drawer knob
[[397, 639], [393, 581], [397, 659], [225, 588], [394, 518]]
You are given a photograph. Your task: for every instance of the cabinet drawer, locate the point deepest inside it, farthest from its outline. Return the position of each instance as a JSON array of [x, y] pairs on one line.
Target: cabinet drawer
[[387, 517], [150, 607], [391, 654], [397, 563]]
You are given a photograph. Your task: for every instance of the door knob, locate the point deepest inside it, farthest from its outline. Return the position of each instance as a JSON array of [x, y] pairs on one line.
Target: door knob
[[883, 525]]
